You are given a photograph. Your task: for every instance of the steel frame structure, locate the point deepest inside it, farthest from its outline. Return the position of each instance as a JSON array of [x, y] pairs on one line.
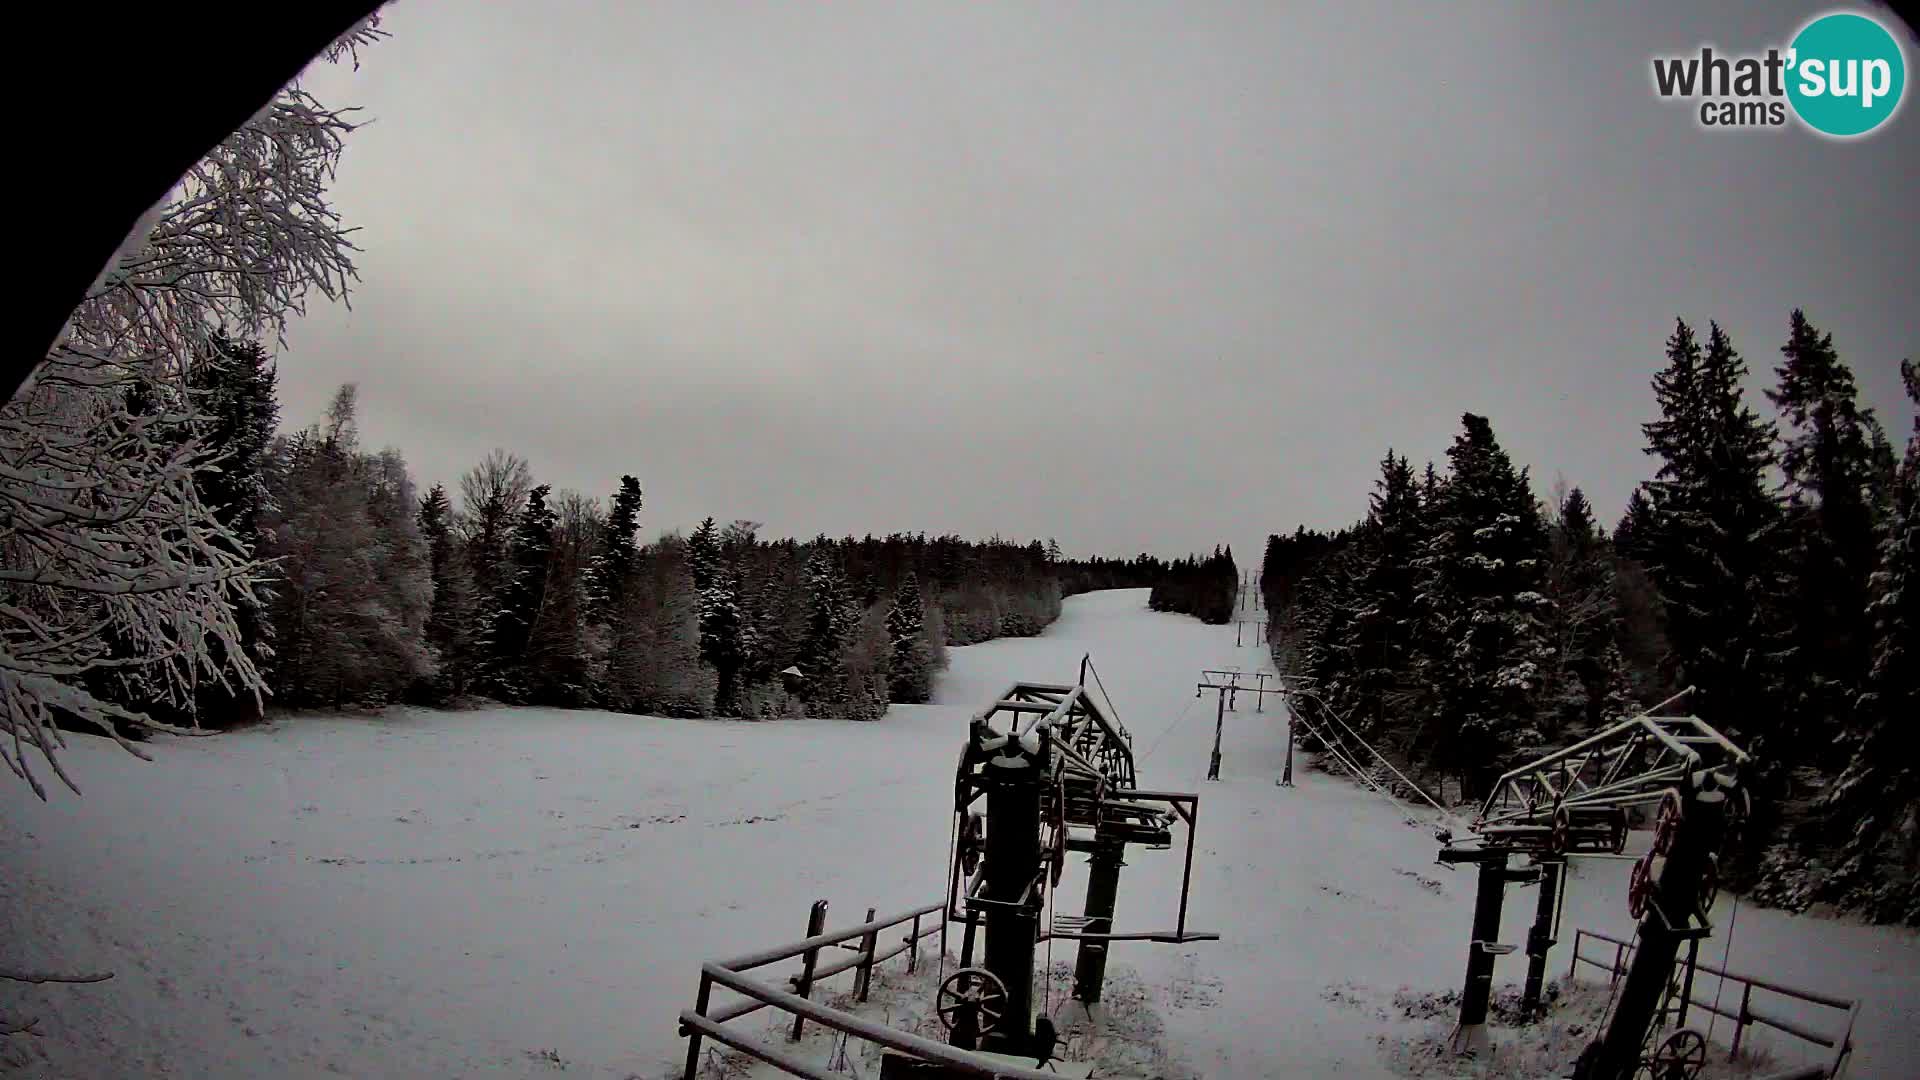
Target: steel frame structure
[[1631, 763], [1057, 774]]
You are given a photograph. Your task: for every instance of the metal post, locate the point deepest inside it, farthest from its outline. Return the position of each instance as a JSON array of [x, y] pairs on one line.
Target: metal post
[[816, 924], [700, 1006], [1219, 720], [869, 944], [1469, 1036], [1686, 986], [1540, 939], [1103, 884], [1012, 861], [1667, 922], [1286, 774], [1186, 872], [1740, 1026], [913, 946]]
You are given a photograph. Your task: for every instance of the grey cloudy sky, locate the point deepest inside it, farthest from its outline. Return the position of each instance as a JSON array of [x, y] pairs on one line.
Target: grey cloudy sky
[[1140, 277]]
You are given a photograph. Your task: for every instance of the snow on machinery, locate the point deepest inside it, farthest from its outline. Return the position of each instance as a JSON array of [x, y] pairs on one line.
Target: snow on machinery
[[1575, 801], [1056, 774]]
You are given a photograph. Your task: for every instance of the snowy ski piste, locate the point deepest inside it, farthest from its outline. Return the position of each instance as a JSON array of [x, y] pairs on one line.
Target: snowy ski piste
[[523, 891]]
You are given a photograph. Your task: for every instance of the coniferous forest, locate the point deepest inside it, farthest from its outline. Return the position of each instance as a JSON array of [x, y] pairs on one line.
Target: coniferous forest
[[1766, 562]]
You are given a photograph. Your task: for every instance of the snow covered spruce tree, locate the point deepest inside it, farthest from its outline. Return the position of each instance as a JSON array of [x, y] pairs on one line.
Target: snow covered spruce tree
[[1714, 548], [831, 621], [913, 660], [1873, 805], [1482, 597], [1587, 682], [722, 625], [1827, 456], [450, 618], [519, 599], [1385, 624], [1712, 541], [109, 554]]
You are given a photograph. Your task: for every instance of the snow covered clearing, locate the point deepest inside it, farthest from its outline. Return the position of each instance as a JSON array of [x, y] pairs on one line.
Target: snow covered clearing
[[523, 891]]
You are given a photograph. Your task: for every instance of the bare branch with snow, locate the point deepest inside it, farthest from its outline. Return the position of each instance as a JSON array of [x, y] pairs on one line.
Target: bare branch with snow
[[111, 565]]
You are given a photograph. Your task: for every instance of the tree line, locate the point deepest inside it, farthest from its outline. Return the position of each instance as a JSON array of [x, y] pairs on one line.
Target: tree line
[[1765, 563], [1206, 589], [373, 592]]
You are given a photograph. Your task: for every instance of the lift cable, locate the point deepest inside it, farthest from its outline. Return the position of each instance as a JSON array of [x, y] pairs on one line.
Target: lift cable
[[1338, 750], [1158, 739], [1713, 1014], [1452, 820]]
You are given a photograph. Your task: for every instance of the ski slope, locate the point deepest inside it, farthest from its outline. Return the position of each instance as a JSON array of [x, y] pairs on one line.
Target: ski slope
[[524, 891]]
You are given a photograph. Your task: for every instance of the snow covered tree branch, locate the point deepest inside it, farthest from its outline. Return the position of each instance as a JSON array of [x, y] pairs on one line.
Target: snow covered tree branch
[[113, 570]]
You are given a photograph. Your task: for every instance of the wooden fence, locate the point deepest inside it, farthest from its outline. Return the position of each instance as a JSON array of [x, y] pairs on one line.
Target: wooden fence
[[1840, 1043]]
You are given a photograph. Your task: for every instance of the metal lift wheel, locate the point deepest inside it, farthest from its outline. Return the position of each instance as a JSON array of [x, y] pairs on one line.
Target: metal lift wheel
[[1681, 1057], [1640, 886], [972, 842], [972, 991], [1560, 839], [1667, 823], [1619, 831], [1709, 884], [960, 781]]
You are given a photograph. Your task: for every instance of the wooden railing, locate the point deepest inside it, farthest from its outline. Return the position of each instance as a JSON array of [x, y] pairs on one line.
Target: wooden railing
[[702, 1021], [1745, 1015]]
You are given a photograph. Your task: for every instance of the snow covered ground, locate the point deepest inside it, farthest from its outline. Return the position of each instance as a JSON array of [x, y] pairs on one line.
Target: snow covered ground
[[521, 891]]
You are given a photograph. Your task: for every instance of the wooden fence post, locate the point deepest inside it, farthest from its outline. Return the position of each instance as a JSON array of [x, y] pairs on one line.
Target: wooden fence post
[[693, 1037], [816, 924], [913, 946], [863, 973]]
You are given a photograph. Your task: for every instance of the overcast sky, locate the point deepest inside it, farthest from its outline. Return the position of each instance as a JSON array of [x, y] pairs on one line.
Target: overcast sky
[[1139, 277]]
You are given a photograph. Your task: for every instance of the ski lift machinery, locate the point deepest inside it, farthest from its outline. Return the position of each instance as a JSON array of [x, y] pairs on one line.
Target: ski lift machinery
[[1575, 801], [1046, 770]]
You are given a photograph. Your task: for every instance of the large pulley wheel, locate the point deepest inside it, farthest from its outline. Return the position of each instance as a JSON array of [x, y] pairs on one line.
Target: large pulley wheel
[[1667, 824], [1561, 838], [960, 778], [973, 995], [1709, 884], [1734, 831], [1618, 843], [1680, 1057], [1640, 886], [971, 843]]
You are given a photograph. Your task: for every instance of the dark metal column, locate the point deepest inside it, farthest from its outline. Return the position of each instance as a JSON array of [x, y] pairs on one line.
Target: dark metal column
[[1286, 774], [1470, 1034], [1219, 720], [1667, 923], [1103, 884], [1540, 939], [1012, 863]]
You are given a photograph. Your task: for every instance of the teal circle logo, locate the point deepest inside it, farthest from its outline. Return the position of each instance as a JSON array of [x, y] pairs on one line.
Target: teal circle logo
[[1846, 75]]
